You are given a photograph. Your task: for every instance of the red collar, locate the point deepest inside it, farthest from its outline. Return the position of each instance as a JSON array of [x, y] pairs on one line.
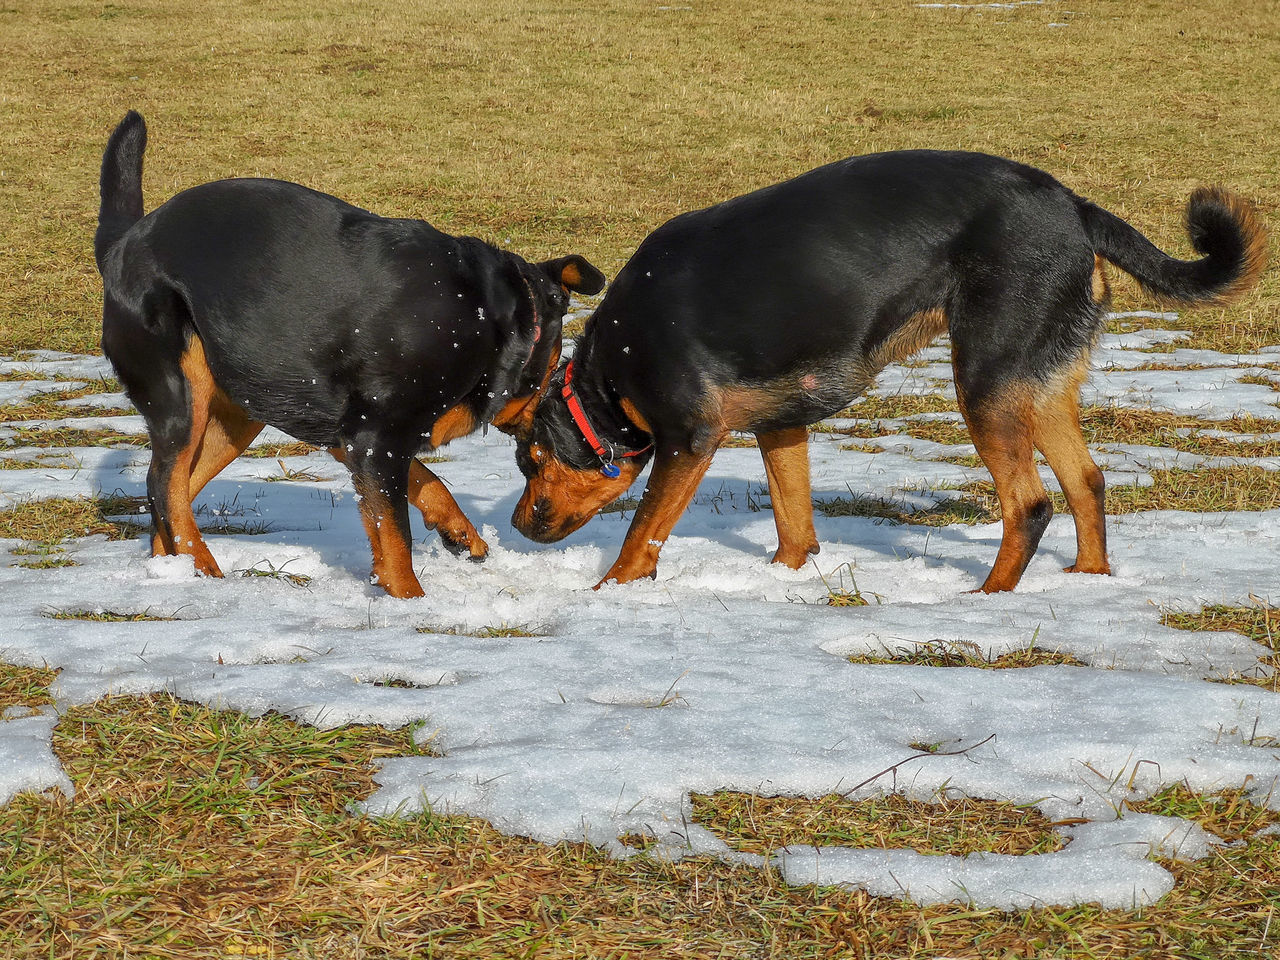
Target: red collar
[[606, 454]]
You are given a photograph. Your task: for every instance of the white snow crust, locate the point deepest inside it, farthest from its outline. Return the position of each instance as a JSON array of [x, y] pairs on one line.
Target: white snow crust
[[726, 672]]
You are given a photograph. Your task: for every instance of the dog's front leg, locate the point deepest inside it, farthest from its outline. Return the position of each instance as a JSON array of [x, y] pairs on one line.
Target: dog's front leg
[[440, 512], [381, 479], [786, 464], [672, 484]]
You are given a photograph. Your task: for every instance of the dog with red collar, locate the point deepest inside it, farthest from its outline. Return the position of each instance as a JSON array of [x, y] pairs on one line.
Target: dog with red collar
[[241, 303], [770, 311]]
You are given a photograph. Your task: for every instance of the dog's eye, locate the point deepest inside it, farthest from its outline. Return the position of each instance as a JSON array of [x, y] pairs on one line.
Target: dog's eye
[[538, 454]]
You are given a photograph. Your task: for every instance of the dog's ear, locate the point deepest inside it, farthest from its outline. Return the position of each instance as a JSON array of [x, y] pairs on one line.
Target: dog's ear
[[575, 273]]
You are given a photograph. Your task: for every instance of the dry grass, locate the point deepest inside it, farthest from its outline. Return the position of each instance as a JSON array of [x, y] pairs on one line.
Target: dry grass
[[76, 437], [199, 834], [1260, 624], [947, 826], [54, 520], [948, 653], [25, 686], [1100, 424], [558, 127], [487, 632], [976, 505], [107, 616]]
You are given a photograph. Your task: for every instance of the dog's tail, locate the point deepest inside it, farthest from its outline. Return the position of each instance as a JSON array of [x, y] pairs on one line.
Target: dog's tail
[[121, 183], [1224, 229]]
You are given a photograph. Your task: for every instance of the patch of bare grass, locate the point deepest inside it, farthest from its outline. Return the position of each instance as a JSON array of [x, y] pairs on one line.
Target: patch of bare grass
[[1177, 432], [957, 653], [107, 616], [54, 520], [966, 508], [25, 686], [898, 406], [487, 632], [77, 437], [1222, 489], [1259, 623], [955, 827], [200, 834]]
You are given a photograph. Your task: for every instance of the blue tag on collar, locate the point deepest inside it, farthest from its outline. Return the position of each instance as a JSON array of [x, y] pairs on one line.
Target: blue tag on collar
[[611, 470]]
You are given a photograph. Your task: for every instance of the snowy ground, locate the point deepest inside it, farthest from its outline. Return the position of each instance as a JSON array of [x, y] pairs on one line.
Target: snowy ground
[[724, 673]]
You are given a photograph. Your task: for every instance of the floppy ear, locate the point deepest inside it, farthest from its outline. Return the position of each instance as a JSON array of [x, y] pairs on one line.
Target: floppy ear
[[575, 273]]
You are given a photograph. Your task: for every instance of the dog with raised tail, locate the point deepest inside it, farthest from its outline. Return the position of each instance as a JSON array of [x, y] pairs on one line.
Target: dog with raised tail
[[245, 302]]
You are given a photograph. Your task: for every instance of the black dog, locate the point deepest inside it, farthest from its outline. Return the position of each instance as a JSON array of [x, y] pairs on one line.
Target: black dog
[[775, 309], [245, 302]]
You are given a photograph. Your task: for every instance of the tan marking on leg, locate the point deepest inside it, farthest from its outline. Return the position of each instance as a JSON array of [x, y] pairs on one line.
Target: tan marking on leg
[[1001, 432], [672, 484], [786, 464], [182, 523], [1057, 435], [453, 423], [229, 432], [392, 557], [440, 512]]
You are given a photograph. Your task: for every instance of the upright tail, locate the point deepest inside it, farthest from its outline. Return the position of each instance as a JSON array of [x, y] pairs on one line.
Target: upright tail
[[121, 183], [1223, 228]]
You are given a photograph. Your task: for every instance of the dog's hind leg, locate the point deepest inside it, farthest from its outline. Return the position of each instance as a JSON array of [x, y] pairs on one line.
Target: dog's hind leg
[[1000, 426], [175, 440], [786, 464], [1057, 435], [228, 433]]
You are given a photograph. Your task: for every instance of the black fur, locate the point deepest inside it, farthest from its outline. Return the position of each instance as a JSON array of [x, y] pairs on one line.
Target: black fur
[[815, 273], [795, 296], [341, 327]]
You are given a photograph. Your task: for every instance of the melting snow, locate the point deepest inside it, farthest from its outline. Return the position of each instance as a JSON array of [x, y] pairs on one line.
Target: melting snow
[[726, 673]]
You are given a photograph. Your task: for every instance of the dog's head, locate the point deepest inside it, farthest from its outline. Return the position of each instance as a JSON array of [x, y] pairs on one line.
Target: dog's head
[[566, 481], [547, 286]]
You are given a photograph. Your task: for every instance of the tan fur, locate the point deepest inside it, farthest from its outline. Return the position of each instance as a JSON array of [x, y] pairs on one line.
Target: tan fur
[[392, 558], [1100, 287], [183, 536], [1001, 432], [516, 416], [453, 423], [1056, 433], [575, 495], [786, 464], [672, 484], [912, 335], [634, 416]]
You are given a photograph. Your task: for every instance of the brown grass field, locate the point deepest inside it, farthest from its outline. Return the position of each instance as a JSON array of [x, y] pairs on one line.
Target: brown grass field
[[556, 128]]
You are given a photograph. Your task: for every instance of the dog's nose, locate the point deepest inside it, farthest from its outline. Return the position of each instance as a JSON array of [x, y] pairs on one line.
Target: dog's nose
[[534, 521]]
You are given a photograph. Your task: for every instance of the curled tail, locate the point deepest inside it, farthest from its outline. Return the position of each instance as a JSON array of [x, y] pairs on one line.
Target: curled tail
[[1223, 228], [121, 183]]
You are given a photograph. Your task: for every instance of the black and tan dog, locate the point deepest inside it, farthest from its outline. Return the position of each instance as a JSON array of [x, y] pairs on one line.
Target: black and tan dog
[[240, 303], [770, 311]]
